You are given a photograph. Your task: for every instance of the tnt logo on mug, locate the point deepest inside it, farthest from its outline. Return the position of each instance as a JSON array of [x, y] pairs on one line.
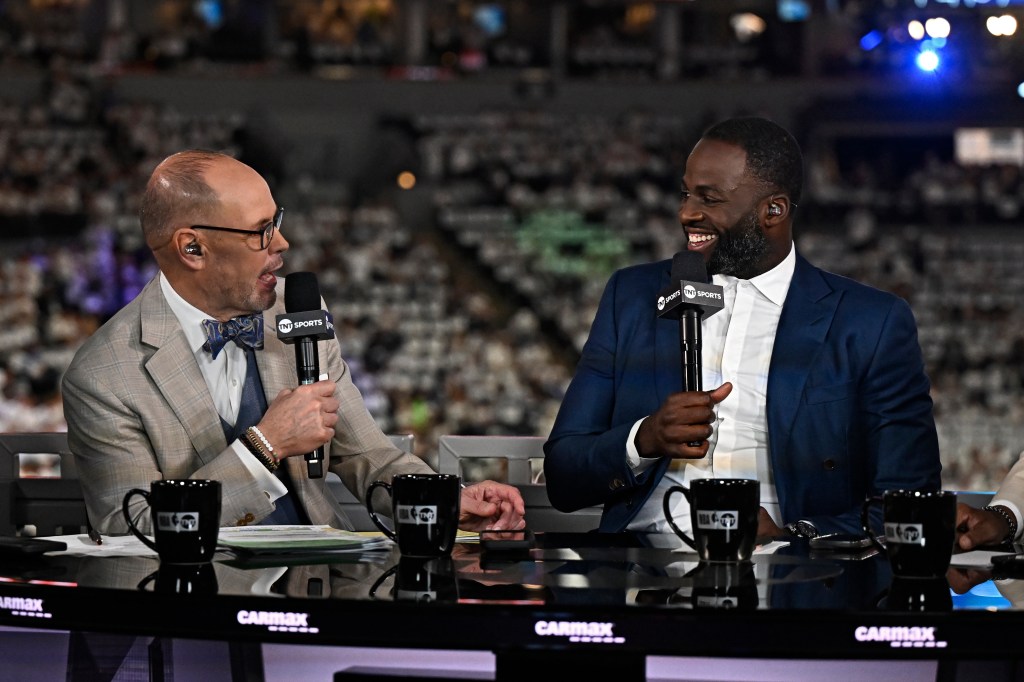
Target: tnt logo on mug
[[178, 522], [905, 533], [714, 519], [416, 514]]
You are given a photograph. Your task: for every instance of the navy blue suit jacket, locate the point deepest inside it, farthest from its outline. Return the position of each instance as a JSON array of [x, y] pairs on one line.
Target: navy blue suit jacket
[[849, 411]]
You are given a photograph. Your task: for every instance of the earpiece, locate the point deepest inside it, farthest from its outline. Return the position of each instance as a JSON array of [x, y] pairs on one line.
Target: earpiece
[[193, 249], [774, 209]]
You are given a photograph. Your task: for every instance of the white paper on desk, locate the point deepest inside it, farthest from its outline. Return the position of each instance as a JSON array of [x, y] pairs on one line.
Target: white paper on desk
[[976, 558], [771, 548], [113, 545], [285, 538]]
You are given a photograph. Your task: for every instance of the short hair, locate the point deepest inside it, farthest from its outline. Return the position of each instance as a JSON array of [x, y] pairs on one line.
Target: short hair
[[773, 155], [177, 194]]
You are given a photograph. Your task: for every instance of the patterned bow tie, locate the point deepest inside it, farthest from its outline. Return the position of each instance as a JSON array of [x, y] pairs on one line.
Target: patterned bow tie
[[246, 330]]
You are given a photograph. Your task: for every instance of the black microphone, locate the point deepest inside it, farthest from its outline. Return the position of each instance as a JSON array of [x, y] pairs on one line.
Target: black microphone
[[688, 298], [303, 324]]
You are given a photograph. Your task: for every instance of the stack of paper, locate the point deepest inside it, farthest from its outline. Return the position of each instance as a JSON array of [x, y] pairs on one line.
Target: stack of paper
[[256, 540]]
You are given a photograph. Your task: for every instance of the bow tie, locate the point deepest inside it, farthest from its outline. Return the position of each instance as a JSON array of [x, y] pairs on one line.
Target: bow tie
[[246, 330]]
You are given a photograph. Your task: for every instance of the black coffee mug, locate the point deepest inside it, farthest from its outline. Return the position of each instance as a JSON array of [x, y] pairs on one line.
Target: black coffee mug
[[919, 529], [186, 519], [425, 511], [421, 580], [723, 512]]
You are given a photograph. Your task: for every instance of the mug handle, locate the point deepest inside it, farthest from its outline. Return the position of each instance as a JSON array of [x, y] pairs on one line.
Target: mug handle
[[373, 515], [668, 514], [128, 517], [379, 581], [865, 520], [147, 580]]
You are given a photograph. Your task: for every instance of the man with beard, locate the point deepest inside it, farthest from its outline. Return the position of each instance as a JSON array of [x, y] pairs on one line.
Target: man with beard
[[182, 382], [821, 392]]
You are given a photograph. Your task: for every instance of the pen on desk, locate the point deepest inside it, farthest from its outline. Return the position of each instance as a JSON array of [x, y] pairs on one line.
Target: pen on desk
[[95, 536]]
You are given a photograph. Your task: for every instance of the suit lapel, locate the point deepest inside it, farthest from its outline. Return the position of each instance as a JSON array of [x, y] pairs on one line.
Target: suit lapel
[[806, 318], [177, 377]]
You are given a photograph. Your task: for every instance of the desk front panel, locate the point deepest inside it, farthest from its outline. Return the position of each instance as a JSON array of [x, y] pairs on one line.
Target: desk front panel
[[579, 594]]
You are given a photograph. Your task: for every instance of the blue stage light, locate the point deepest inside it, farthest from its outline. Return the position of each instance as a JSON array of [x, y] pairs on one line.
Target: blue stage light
[[1020, 90], [870, 40], [928, 60]]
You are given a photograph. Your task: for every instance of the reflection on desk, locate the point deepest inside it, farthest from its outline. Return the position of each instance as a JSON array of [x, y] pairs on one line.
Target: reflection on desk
[[587, 595]]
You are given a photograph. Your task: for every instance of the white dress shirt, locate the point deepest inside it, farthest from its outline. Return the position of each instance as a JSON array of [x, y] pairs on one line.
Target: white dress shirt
[[224, 376], [737, 347]]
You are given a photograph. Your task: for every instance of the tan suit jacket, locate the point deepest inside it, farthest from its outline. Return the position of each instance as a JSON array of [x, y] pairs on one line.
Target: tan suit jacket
[[138, 410], [1012, 487]]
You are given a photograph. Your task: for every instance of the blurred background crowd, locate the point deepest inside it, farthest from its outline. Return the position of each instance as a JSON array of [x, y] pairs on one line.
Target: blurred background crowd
[[463, 176]]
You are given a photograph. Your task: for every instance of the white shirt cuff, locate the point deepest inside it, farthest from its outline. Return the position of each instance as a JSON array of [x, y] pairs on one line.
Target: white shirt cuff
[[637, 464], [272, 485], [1013, 510]]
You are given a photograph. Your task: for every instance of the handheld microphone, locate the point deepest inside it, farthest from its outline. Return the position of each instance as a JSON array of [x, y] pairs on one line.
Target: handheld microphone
[[302, 324], [688, 298]]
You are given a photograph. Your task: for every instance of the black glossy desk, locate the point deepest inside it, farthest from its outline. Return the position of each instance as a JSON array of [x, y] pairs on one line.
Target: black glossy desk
[[598, 603]]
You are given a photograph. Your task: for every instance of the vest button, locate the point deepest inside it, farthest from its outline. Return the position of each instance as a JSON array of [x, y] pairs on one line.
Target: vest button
[[829, 465]]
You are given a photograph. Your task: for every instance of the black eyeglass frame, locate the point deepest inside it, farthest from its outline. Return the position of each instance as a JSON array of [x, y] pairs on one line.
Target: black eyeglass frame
[[266, 232]]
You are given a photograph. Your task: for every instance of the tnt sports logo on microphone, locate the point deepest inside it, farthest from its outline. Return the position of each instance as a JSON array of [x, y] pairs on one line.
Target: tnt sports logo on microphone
[[417, 514], [664, 301], [285, 326], [905, 533], [717, 519], [177, 522], [689, 292]]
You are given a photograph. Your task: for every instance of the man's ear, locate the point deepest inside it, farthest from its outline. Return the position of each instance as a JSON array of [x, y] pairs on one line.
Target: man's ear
[[777, 210], [188, 249]]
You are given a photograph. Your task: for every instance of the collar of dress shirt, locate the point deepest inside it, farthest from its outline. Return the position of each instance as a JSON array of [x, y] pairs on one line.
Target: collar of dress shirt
[[189, 317], [774, 284]]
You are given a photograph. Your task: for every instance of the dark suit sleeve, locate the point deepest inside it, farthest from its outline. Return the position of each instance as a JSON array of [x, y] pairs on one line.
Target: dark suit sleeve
[[585, 456], [894, 429]]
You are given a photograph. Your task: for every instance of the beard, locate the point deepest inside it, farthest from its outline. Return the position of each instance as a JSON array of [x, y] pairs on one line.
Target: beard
[[740, 250]]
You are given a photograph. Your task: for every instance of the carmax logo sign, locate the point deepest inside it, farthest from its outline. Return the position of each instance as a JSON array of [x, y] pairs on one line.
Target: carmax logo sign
[[900, 637], [579, 631], [277, 621]]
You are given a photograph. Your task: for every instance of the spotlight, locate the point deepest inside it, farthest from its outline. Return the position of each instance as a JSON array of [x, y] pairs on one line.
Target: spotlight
[[916, 29], [937, 27], [870, 40], [406, 180], [928, 60], [1005, 25], [747, 25]]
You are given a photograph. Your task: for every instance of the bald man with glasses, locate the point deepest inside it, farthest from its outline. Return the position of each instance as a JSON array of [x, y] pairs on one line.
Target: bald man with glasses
[[183, 383]]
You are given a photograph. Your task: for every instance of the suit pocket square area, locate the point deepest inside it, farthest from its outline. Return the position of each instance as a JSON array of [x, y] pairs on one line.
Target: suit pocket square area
[[828, 394]]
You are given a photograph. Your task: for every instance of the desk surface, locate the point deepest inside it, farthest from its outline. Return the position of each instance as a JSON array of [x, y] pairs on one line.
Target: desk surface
[[573, 593]]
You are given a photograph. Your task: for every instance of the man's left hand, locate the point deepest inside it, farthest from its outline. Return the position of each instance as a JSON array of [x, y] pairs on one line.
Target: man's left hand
[[492, 506]]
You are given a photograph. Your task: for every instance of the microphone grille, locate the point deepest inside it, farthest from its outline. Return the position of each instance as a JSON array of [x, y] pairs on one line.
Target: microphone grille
[[301, 292], [688, 266]]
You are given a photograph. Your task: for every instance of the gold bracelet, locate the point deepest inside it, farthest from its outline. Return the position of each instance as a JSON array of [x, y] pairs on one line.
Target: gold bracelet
[[252, 442]]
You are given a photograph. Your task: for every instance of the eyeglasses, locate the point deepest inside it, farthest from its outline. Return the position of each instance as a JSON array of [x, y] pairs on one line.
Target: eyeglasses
[[266, 232]]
